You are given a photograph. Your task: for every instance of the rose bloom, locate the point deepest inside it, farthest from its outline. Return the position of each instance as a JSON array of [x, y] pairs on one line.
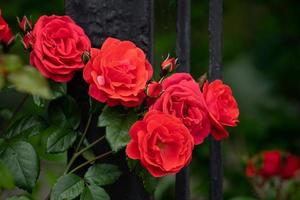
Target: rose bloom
[[161, 142], [57, 47], [117, 73], [153, 89], [182, 98], [222, 107], [6, 35], [271, 162], [250, 169], [290, 167]]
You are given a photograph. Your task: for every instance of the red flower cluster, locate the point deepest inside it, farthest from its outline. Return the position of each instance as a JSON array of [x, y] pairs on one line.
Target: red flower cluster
[[274, 163], [6, 35], [180, 115]]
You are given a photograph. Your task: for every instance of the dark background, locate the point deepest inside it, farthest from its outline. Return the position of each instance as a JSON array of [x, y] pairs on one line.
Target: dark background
[[261, 62]]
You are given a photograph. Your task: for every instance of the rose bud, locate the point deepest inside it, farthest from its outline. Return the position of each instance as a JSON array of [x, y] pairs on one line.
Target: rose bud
[[25, 24], [169, 64], [290, 167], [86, 57], [154, 89], [28, 40], [6, 35], [250, 169], [271, 161]]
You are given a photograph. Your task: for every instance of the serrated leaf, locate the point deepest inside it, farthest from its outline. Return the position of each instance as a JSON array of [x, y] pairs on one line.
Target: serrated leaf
[[28, 79], [67, 187], [6, 180], [117, 122], [60, 139], [150, 183], [64, 111], [93, 192], [19, 198], [28, 126], [102, 174], [21, 158]]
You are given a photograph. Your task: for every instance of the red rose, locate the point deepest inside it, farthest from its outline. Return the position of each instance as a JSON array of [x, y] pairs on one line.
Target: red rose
[[290, 167], [28, 40], [24, 24], [117, 73], [58, 46], [271, 161], [6, 35], [162, 143], [182, 98], [222, 107]]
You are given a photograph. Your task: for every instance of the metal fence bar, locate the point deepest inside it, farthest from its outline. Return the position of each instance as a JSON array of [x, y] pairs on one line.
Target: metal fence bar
[[127, 20], [215, 62], [182, 189]]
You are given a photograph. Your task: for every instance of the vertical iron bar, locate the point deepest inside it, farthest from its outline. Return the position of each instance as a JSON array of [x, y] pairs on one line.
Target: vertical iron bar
[[215, 62], [182, 189], [126, 20]]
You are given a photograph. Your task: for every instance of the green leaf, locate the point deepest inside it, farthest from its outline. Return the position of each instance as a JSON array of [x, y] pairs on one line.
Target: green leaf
[[21, 159], [29, 80], [132, 164], [93, 192], [150, 183], [67, 187], [30, 126], [118, 122], [60, 139], [6, 180], [102, 174], [57, 90], [19, 198], [64, 111]]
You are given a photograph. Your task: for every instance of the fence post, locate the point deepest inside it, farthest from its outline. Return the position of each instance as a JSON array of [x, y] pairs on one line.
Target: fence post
[[130, 20], [183, 29], [215, 62]]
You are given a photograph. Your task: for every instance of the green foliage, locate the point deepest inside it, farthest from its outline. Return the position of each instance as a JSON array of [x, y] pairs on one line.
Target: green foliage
[[93, 192], [27, 79], [21, 158], [6, 180], [26, 126], [19, 198], [117, 121], [150, 183], [67, 187], [102, 174], [64, 111], [60, 139]]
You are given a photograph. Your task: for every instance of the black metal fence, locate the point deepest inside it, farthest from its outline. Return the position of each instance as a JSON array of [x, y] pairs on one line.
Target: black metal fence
[[133, 20]]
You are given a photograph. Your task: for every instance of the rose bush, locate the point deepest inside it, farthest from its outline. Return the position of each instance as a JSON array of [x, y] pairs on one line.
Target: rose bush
[[182, 98], [161, 142], [117, 73], [58, 44]]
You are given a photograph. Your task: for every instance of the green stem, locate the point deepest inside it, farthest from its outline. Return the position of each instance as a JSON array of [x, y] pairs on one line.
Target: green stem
[[90, 161], [75, 155], [85, 132]]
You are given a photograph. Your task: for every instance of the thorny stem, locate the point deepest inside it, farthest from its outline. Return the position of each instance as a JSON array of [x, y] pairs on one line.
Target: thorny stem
[[90, 161]]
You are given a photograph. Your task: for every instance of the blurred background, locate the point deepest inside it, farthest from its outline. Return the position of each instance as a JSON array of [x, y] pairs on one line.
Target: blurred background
[[261, 62]]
